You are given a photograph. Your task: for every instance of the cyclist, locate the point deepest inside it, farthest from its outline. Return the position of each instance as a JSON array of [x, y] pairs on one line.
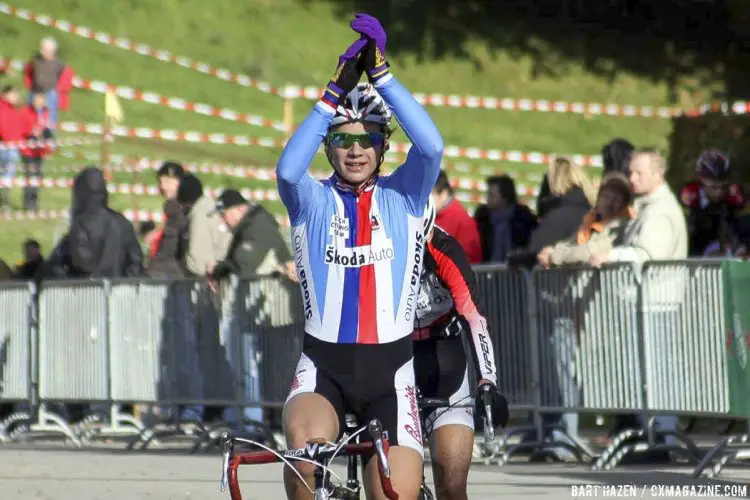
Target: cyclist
[[713, 202], [358, 245], [448, 308]]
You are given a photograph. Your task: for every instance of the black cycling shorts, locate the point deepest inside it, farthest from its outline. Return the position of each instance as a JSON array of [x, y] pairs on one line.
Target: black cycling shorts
[[365, 380], [442, 372]]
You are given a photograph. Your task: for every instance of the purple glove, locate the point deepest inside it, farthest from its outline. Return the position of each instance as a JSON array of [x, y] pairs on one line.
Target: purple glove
[[353, 51], [369, 27], [347, 74], [374, 59]]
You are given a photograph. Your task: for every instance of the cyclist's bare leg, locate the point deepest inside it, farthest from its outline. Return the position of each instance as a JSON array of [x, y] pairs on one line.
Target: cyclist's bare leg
[[306, 416], [451, 447], [406, 474]]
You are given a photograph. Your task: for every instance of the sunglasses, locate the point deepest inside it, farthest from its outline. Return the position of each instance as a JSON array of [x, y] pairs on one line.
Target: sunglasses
[[345, 141]]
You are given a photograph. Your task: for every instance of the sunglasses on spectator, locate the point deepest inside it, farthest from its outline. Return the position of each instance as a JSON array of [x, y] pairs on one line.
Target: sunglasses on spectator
[[345, 141]]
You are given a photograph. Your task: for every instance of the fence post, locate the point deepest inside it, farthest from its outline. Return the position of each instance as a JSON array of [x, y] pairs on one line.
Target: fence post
[[536, 362], [288, 112]]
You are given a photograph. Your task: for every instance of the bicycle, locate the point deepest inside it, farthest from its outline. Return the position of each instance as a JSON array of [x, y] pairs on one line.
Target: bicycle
[[322, 453]]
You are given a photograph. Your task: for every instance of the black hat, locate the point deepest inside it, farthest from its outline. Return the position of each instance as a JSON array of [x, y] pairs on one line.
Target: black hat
[[229, 198], [171, 169], [190, 190]]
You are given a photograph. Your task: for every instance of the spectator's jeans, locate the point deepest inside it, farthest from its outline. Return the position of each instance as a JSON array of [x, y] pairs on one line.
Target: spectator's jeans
[[52, 106], [565, 347], [189, 360], [9, 160], [249, 364]]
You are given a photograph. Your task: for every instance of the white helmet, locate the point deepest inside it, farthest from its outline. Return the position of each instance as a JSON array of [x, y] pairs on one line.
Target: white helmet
[[428, 219], [363, 104]]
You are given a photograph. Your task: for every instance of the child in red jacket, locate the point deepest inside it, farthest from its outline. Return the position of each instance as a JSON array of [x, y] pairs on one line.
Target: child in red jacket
[[36, 117]]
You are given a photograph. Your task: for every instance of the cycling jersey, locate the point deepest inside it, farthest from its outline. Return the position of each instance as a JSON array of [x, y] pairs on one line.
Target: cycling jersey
[[694, 197], [449, 288], [709, 222], [359, 254]]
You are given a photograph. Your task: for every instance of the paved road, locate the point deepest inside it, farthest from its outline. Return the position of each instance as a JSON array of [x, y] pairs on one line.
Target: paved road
[[108, 474]]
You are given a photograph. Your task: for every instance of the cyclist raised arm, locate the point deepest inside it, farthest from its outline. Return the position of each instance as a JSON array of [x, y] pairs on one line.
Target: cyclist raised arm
[[359, 246], [448, 299]]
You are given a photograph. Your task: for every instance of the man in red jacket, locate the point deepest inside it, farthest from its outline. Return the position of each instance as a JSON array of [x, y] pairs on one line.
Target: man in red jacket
[[13, 129], [47, 74], [453, 218]]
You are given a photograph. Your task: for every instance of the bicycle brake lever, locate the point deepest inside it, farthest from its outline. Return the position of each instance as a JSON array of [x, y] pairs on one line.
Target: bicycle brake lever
[[489, 428], [376, 432], [227, 452]]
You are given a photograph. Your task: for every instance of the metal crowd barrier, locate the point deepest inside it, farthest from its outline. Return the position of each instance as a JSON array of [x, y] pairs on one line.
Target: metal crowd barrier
[[567, 341]]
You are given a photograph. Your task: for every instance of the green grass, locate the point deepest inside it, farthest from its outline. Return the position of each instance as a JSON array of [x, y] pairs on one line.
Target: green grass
[[287, 41]]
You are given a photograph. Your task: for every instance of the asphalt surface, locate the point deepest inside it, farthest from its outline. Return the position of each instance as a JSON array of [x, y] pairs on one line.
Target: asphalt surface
[[41, 472]]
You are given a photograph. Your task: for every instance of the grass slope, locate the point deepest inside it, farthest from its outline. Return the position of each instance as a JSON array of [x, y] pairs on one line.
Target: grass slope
[[284, 41]]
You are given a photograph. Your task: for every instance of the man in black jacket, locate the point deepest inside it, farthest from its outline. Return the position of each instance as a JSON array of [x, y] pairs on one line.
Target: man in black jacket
[[101, 242], [504, 224]]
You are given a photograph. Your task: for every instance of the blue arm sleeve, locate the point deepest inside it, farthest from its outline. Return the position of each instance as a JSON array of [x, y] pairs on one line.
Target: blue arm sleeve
[[297, 188], [417, 176]]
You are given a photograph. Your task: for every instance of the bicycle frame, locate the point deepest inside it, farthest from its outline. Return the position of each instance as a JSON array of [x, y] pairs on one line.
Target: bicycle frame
[[315, 451]]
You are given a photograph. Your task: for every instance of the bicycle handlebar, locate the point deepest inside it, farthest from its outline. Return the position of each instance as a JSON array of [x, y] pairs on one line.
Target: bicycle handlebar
[[376, 432]]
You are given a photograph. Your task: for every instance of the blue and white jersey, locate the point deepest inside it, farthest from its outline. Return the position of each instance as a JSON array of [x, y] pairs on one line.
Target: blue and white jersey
[[359, 254]]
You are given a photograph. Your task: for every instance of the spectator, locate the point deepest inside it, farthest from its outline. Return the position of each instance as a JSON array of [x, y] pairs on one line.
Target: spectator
[[167, 259], [12, 129], [33, 261], [712, 202], [48, 75], [208, 237], [577, 195], [601, 229], [504, 224], [616, 156], [167, 244], [101, 242], [257, 247], [6, 273], [658, 232], [36, 117], [453, 218]]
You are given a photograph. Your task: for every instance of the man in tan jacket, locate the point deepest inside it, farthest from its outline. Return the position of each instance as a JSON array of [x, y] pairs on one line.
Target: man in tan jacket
[[659, 232], [208, 236]]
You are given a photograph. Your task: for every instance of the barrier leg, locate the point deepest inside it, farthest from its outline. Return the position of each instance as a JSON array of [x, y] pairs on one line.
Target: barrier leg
[[718, 448], [729, 457], [613, 447], [46, 423]]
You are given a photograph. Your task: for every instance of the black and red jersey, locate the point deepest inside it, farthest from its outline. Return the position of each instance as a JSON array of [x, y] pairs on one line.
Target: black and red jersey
[[693, 196], [706, 219], [449, 288]]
